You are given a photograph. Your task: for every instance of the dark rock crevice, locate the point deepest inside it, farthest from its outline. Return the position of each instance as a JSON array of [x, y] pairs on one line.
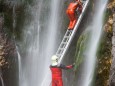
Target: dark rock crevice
[[8, 57]]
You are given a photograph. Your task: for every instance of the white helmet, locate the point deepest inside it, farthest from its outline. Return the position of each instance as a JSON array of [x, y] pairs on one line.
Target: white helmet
[[54, 60]]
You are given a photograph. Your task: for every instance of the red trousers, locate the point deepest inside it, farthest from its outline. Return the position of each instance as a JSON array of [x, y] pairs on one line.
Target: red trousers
[[72, 18], [57, 82]]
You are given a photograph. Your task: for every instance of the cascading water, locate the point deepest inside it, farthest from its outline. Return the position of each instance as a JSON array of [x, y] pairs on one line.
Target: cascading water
[[40, 37], [19, 63], [40, 41], [51, 42], [1, 79], [96, 31]]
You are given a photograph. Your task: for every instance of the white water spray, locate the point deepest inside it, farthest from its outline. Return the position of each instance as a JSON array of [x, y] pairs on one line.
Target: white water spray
[[34, 69], [52, 35], [19, 63], [1, 79], [96, 32]]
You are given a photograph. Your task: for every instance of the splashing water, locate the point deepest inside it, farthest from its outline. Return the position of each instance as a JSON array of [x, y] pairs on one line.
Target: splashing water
[[40, 38], [19, 63], [36, 60], [1, 79], [96, 30]]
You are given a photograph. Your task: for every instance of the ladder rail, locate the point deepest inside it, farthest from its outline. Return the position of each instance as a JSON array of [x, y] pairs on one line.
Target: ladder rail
[[73, 32], [65, 39], [62, 42]]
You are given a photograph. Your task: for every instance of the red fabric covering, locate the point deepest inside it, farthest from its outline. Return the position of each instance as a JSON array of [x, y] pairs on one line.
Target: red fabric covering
[[56, 76], [57, 82], [71, 13], [69, 66]]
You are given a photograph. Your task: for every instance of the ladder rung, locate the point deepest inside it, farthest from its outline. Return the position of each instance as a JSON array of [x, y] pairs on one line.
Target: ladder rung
[[68, 33], [58, 55], [66, 40], [66, 36], [64, 43], [61, 48]]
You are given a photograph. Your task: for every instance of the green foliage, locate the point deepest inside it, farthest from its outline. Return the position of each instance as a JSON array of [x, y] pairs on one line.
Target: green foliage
[[8, 21], [105, 45], [20, 19], [107, 14], [81, 47]]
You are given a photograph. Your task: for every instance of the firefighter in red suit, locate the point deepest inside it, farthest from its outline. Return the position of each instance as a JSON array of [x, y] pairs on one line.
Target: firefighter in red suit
[[73, 9], [57, 71]]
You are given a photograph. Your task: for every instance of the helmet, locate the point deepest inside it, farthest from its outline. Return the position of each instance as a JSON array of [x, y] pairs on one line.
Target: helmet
[[54, 60]]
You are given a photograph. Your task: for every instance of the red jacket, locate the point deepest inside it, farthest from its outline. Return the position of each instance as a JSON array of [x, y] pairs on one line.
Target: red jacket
[[71, 12], [57, 74], [57, 70], [72, 6]]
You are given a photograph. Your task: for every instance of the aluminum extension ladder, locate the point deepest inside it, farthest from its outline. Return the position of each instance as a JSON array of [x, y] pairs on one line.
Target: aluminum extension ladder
[[64, 42], [69, 35]]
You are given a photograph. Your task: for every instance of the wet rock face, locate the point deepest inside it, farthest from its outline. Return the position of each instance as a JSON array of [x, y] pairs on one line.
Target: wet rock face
[[8, 57], [112, 71], [112, 78], [112, 74], [2, 46]]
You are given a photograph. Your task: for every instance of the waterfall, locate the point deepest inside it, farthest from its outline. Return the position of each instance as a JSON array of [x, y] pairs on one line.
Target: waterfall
[[39, 43], [1, 78], [2, 82], [96, 31], [51, 42], [19, 63], [40, 38]]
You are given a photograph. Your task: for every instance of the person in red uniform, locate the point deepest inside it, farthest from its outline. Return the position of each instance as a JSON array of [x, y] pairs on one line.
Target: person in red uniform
[[71, 12], [57, 71]]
